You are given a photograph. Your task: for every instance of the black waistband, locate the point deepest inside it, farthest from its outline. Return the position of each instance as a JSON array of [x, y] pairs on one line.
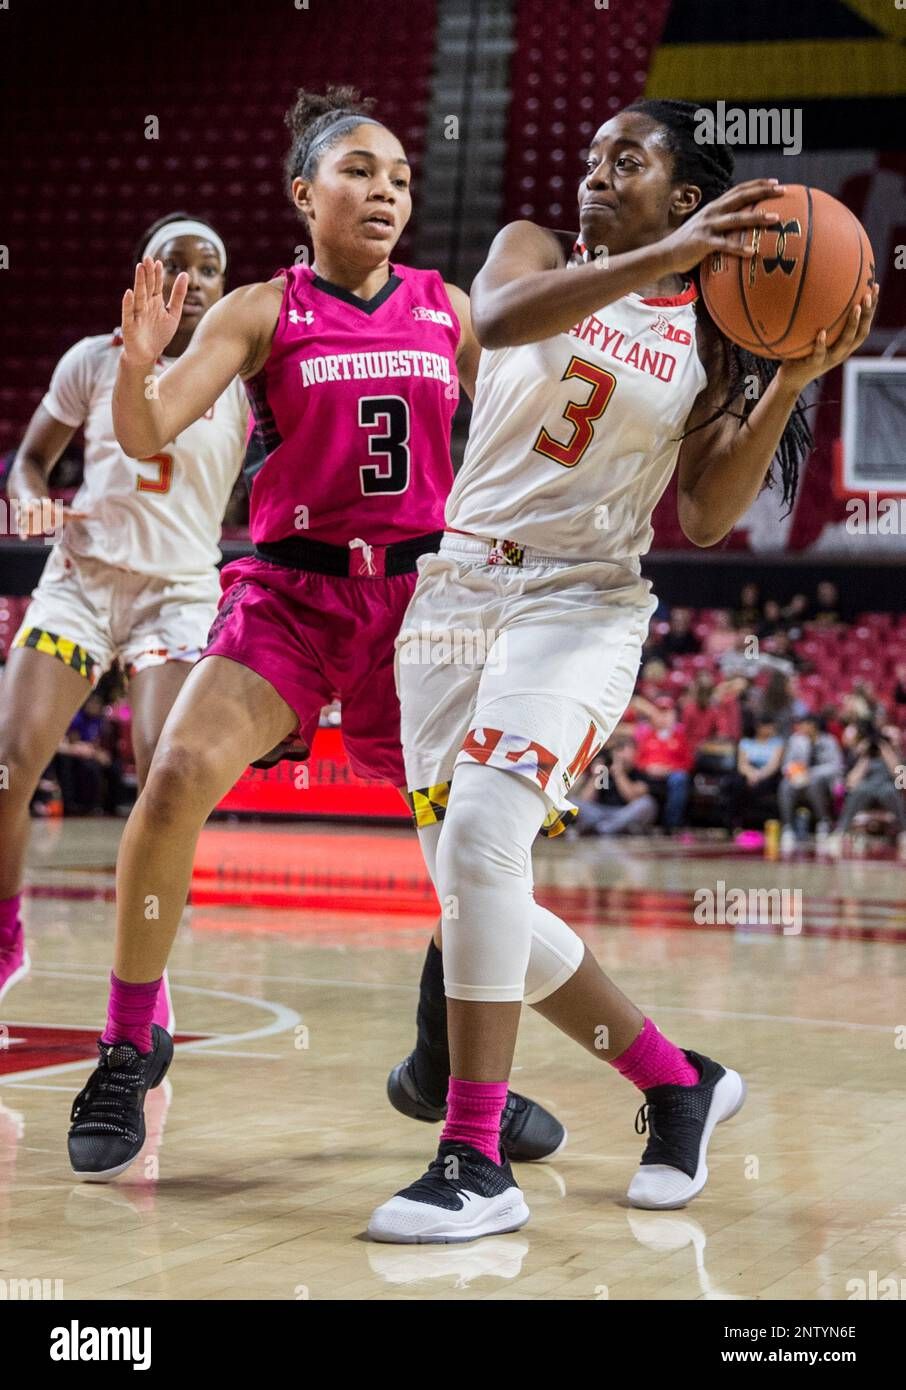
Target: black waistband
[[301, 553]]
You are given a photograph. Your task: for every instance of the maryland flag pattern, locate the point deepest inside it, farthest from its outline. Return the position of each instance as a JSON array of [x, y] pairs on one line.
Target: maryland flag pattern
[[65, 650], [429, 804]]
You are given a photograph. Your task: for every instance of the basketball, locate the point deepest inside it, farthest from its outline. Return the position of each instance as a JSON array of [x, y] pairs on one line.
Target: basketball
[[806, 274]]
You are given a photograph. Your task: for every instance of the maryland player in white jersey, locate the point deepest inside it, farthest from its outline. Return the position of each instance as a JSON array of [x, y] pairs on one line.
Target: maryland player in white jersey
[[132, 577], [521, 645]]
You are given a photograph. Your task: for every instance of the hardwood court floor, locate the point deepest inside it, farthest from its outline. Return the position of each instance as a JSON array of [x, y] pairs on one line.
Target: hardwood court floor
[[275, 1140]]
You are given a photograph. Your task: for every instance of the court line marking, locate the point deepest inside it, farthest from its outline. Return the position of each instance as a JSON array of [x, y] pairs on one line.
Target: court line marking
[[83, 972], [381, 985], [283, 1019]]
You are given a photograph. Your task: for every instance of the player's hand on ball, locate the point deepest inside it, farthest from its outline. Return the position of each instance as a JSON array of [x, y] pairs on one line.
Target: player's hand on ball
[[716, 226], [797, 374], [149, 323]]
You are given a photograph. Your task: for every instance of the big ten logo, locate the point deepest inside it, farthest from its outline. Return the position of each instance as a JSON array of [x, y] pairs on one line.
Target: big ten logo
[[874, 1288], [751, 1168], [451, 908], [602, 1037], [300, 518], [750, 647], [301, 1291], [300, 1037], [301, 255], [601, 1291], [451, 127], [300, 776], [665, 329]]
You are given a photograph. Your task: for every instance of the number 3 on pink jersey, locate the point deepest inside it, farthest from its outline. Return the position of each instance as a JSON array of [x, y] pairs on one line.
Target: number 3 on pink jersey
[[164, 474], [391, 475]]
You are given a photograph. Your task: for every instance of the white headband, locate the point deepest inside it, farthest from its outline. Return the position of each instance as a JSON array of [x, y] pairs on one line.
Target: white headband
[[186, 227]]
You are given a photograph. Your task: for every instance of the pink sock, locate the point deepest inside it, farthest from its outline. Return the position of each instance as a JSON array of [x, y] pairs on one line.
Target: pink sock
[[474, 1109], [129, 1012], [10, 923], [653, 1060]]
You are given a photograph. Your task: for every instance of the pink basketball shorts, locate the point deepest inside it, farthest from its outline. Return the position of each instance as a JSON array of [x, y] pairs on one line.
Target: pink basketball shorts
[[314, 638]]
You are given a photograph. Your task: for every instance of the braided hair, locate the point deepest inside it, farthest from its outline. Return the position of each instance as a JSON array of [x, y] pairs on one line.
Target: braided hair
[[310, 116], [710, 168]]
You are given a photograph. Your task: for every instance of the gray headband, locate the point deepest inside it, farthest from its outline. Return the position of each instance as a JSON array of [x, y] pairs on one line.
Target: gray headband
[[337, 127]]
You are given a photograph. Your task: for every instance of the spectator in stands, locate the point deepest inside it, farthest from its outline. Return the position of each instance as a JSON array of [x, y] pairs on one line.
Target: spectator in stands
[[827, 604], [84, 762], [772, 620], [795, 614], [615, 800], [855, 709], [781, 647], [812, 764], [872, 781], [748, 615], [757, 775], [680, 640], [723, 637], [664, 759], [710, 714], [652, 676], [899, 688], [779, 702]]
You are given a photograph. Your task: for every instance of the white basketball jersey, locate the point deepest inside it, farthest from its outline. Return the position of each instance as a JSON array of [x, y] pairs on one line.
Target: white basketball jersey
[[157, 516], [573, 439]]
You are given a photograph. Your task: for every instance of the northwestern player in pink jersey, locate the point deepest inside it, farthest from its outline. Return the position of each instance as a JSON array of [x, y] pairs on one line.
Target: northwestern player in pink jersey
[[351, 368], [602, 374]]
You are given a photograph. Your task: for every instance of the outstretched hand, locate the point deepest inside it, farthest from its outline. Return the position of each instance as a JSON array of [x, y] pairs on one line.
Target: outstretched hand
[[149, 323]]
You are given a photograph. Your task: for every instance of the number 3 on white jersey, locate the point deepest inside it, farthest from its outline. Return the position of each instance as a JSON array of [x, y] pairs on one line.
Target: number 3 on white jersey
[[164, 464], [581, 414]]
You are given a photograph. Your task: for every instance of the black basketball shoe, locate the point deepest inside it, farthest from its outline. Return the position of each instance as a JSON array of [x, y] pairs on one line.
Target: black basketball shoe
[[463, 1195], [680, 1120], [108, 1120], [528, 1131]]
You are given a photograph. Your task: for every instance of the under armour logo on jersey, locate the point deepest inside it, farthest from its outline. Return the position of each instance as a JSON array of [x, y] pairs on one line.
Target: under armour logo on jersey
[[432, 315], [295, 317], [665, 328]]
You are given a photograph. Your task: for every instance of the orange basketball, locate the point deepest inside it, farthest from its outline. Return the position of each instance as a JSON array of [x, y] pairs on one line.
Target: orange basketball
[[807, 272]]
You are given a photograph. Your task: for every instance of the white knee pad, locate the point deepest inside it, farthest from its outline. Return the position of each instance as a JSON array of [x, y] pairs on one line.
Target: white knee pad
[[556, 955], [499, 945]]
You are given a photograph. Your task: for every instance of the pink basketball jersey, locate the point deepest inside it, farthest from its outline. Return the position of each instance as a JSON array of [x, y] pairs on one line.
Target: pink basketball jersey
[[353, 411]]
